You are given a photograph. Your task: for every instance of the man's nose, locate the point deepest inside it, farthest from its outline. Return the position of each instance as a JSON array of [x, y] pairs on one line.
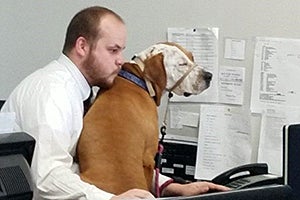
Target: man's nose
[[120, 61]]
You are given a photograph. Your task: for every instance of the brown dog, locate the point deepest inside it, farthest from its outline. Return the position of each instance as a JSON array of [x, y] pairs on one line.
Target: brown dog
[[119, 140]]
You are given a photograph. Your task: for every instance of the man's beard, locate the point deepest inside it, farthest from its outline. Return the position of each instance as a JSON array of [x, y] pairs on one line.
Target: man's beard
[[88, 65]]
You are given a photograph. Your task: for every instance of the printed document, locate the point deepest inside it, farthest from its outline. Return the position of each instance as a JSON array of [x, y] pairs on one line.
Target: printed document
[[7, 122], [231, 85], [271, 136], [203, 43], [234, 49], [224, 140], [275, 73]]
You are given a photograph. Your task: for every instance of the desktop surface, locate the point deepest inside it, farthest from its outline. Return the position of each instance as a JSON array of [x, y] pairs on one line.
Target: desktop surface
[[271, 192]]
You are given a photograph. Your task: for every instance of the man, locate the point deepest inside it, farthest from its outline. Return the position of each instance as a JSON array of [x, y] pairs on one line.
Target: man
[[49, 106]]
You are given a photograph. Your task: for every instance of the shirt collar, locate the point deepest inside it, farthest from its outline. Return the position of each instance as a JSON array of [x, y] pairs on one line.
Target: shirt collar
[[83, 85]]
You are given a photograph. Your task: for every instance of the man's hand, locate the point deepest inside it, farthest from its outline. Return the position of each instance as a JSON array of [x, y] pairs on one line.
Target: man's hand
[[134, 194], [195, 188]]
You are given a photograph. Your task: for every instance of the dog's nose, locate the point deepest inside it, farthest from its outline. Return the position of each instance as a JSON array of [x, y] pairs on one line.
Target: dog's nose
[[207, 77]]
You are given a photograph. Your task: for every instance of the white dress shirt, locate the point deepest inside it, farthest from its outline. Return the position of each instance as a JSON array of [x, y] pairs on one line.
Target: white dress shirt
[[49, 106]]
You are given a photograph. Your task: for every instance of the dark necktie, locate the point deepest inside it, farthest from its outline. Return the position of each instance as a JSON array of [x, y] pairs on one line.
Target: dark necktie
[[87, 103]]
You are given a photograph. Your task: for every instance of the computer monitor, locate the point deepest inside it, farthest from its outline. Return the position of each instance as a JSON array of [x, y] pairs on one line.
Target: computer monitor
[[291, 157], [16, 151], [17, 143], [2, 103], [179, 160]]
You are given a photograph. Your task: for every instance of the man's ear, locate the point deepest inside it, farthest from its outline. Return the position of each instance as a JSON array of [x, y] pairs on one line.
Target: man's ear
[[155, 72], [82, 46]]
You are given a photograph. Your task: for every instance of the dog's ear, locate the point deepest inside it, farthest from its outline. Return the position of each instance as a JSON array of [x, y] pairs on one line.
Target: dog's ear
[[155, 72]]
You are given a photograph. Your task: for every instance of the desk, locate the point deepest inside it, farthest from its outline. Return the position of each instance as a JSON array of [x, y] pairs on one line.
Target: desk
[[271, 192]]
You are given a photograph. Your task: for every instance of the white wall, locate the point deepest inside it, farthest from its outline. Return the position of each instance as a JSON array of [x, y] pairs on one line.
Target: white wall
[[32, 32]]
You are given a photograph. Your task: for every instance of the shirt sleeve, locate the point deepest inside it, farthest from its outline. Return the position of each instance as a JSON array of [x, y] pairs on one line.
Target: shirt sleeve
[[163, 181]]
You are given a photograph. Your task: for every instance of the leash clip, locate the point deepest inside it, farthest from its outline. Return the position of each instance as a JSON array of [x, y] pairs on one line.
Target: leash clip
[[163, 133]]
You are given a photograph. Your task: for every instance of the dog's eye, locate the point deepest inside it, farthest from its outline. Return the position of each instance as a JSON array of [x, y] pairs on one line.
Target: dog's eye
[[182, 64]]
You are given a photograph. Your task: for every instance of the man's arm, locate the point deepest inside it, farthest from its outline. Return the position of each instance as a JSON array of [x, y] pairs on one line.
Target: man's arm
[[53, 176]]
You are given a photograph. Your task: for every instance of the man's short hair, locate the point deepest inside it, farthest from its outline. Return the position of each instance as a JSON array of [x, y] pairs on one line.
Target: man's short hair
[[86, 24]]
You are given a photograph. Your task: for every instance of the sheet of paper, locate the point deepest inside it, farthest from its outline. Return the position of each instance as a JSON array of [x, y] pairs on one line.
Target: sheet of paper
[[231, 85], [224, 140], [190, 119], [234, 49], [203, 43], [181, 139], [275, 73], [179, 118], [270, 143], [7, 121], [175, 117]]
